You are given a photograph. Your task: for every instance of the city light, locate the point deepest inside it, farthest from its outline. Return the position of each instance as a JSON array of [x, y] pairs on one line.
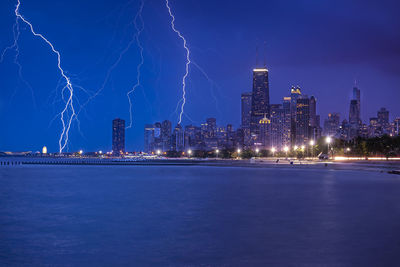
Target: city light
[[348, 149], [312, 142], [100, 152], [295, 147], [44, 150], [257, 150], [80, 152], [158, 152], [303, 147], [328, 140], [286, 149], [238, 151], [189, 152], [273, 150]]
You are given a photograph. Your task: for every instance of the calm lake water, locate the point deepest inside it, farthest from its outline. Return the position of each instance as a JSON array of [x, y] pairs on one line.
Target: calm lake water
[[197, 216]]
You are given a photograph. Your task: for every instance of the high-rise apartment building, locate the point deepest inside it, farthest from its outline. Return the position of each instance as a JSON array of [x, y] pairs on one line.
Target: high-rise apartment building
[[149, 138], [118, 136]]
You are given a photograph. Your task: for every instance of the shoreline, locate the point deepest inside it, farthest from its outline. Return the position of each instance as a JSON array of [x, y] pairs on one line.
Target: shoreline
[[366, 165]]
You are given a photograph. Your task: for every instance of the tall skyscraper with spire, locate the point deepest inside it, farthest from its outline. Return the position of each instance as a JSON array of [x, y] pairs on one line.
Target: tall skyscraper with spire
[[355, 113], [355, 107]]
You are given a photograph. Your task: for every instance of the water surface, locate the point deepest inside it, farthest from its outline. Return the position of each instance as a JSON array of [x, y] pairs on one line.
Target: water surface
[[192, 216]]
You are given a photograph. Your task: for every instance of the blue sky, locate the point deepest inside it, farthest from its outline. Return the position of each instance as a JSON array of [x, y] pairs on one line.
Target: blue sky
[[323, 46]]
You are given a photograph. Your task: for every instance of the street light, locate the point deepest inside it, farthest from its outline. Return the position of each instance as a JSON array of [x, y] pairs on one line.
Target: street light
[[295, 147], [189, 152], [312, 143], [238, 151], [286, 149], [303, 147], [158, 152], [217, 151], [257, 150], [273, 150], [80, 152], [328, 141]]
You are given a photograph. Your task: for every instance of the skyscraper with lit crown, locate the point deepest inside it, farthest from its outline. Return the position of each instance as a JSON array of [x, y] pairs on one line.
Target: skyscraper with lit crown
[[259, 101]]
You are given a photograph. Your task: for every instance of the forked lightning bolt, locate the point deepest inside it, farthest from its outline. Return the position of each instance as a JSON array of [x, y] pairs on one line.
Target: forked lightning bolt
[[68, 112], [139, 30], [183, 100]]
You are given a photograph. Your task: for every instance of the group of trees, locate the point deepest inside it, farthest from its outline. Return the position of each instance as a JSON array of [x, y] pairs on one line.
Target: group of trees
[[386, 146]]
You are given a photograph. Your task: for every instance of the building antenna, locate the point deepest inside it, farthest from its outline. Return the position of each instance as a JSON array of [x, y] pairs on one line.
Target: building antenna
[[265, 54], [256, 52]]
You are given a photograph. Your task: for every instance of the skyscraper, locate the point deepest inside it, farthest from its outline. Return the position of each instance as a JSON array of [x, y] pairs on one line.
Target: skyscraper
[[354, 114], [246, 116], [295, 93], [118, 136], [178, 138], [166, 132], [149, 138], [383, 117], [280, 126], [259, 101], [246, 109], [357, 96], [331, 125], [264, 138], [313, 118], [302, 120]]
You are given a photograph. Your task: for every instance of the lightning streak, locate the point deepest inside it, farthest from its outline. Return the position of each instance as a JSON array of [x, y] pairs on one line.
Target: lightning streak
[[183, 100], [139, 30], [67, 114], [15, 47]]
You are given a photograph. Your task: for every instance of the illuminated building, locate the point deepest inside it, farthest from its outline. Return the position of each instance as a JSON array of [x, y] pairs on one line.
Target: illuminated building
[[178, 138], [166, 133], [118, 136], [193, 138], [264, 139], [295, 93], [396, 126], [331, 125], [246, 115], [259, 102], [158, 141], [149, 138], [280, 125], [302, 130]]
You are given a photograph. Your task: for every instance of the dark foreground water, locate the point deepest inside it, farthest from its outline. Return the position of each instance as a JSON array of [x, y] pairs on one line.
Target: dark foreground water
[[192, 216]]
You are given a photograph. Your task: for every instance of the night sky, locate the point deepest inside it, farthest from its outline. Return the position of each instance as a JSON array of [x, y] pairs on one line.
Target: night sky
[[322, 46]]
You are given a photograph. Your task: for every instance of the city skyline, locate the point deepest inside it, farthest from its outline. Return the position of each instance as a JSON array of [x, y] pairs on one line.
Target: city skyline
[[303, 54]]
